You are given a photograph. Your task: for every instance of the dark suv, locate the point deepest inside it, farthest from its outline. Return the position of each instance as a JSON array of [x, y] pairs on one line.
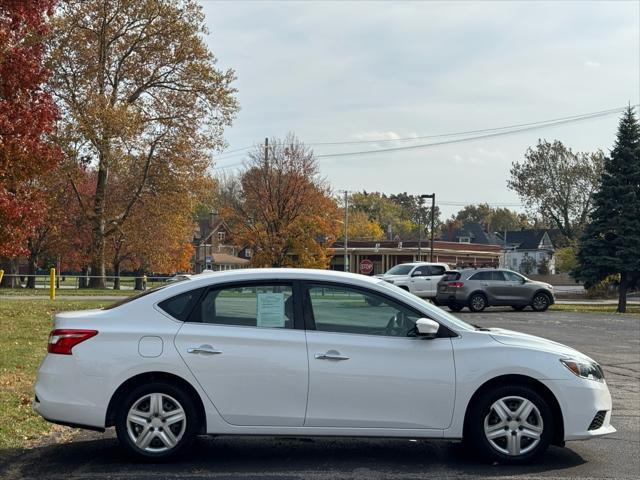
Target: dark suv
[[484, 287]]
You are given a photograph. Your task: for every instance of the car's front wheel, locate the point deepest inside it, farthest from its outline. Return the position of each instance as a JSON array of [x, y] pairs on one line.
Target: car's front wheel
[[156, 421], [511, 425], [540, 302]]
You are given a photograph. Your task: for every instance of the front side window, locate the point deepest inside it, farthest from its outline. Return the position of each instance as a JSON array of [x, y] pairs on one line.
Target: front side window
[[349, 310], [264, 305], [513, 277]]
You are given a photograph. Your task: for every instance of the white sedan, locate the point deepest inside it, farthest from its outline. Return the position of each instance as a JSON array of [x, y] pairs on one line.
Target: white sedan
[[310, 353]]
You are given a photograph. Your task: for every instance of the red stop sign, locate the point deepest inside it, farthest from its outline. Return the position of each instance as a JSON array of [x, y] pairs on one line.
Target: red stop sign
[[366, 266]]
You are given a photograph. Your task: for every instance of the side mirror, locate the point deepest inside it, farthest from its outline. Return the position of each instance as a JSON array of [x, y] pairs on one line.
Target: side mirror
[[417, 273], [523, 281], [427, 328]]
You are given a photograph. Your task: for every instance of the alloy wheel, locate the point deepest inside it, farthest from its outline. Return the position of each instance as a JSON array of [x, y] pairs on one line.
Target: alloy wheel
[[513, 426], [156, 422], [540, 302]]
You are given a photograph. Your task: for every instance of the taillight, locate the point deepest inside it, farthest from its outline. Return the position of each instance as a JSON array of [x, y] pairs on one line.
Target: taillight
[[62, 341], [456, 284]]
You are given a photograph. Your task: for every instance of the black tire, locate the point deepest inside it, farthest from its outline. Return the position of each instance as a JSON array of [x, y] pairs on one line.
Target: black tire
[[477, 302], [518, 308], [540, 302], [481, 411], [169, 395], [455, 308], [435, 301]]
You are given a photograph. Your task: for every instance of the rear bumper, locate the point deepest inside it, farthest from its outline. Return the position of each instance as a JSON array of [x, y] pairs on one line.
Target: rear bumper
[[451, 299], [65, 395]]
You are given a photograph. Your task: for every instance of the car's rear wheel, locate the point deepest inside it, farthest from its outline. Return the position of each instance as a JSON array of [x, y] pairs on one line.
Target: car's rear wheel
[[540, 302], [156, 421], [455, 308], [477, 302], [510, 425], [518, 308]]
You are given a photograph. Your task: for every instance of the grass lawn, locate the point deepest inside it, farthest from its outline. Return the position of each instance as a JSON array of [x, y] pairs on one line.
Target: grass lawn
[[44, 292], [24, 327], [594, 307]]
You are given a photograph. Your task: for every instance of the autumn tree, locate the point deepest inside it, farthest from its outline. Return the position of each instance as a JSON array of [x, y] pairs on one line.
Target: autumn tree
[[141, 95], [361, 228], [283, 209], [558, 184], [27, 117], [399, 215], [611, 242]]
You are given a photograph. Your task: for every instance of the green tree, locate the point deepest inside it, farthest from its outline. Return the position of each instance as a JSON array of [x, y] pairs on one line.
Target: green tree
[[494, 219], [566, 259], [558, 184], [611, 242]]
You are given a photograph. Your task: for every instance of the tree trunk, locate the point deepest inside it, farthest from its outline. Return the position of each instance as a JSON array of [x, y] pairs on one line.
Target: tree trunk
[[82, 281], [622, 293], [116, 275], [10, 278], [98, 227], [140, 283], [31, 272]]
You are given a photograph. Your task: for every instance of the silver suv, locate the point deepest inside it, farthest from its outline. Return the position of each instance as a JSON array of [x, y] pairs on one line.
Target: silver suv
[[484, 287]]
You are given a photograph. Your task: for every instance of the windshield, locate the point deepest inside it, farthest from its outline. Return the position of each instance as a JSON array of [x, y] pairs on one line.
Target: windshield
[[450, 318], [399, 270]]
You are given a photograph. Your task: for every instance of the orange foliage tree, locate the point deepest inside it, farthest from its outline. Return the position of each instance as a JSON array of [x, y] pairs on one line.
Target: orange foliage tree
[[283, 209]]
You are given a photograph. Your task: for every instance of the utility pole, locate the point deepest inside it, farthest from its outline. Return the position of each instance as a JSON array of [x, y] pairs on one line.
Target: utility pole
[[346, 230], [266, 152], [420, 229]]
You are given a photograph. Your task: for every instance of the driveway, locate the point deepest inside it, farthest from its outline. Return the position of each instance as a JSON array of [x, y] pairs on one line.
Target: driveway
[[614, 340]]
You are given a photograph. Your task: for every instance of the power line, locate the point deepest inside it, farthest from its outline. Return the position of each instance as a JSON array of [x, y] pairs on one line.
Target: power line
[[498, 131], [469, 132], [468, 139]]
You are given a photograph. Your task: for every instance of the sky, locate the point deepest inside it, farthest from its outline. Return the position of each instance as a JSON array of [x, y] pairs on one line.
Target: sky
[[379, 71]]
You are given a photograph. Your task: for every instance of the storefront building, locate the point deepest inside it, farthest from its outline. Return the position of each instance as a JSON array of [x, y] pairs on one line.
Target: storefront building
[[386, 254]]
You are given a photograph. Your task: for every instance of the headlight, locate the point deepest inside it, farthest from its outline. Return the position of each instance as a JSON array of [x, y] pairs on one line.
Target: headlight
[[588, 370]]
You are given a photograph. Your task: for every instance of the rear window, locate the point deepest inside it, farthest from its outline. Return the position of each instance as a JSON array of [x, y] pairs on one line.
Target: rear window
[[451, 276]]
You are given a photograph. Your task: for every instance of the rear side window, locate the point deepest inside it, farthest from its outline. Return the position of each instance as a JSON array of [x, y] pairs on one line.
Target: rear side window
[[451, 276], [264, 305], [436, 270], [181, 305], [481, 276]]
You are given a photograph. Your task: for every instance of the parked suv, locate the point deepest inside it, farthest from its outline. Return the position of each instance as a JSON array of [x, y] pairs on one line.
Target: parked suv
[[484, 287], [419, 278]]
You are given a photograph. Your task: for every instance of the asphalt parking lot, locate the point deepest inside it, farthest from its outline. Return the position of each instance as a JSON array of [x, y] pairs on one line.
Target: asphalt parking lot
[[611, 339]]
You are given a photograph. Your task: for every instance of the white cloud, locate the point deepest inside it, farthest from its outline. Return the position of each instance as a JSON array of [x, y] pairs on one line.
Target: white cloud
[[375, 135], [591, 64]]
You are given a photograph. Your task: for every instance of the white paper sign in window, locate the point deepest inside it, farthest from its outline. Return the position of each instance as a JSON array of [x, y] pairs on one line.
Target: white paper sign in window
[[271, 310]]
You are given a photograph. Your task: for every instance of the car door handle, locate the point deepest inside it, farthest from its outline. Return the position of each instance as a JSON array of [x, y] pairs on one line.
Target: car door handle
[[204, 349], [330, 355]]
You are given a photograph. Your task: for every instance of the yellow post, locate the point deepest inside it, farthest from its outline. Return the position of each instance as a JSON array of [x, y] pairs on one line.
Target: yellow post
[[1, 275], [52, 283]]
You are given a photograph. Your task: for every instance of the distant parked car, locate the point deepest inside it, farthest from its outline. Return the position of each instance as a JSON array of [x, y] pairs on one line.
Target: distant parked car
[[419, 278], [481, 288]]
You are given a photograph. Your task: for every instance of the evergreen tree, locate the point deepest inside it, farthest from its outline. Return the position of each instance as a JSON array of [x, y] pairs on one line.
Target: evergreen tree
[[611, 242]]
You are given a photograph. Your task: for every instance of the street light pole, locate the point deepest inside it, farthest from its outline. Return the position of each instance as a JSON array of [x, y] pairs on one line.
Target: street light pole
[[433, 207], [346, 230], [420, 229]]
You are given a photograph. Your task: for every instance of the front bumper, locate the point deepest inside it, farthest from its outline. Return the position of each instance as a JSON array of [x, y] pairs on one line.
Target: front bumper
[[580, 401]]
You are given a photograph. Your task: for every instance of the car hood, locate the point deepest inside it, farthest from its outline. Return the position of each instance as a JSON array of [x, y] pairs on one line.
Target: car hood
[[394, 277], [517, 339]]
